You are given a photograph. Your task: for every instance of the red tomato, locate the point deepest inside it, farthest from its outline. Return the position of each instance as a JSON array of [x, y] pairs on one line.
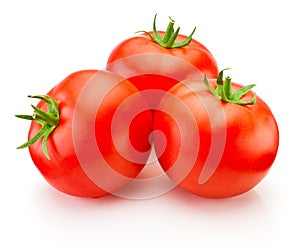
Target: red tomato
[[80, 156], [158, 60], [230, 145]]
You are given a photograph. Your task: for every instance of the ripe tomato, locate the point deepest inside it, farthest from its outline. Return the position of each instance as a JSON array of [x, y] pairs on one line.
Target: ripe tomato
[[158, 60], [232, 139], [77, 151]]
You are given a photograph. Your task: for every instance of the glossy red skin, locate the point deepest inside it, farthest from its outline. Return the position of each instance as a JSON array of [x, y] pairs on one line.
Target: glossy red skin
[[251, 143], [64, 171], [162, 74]]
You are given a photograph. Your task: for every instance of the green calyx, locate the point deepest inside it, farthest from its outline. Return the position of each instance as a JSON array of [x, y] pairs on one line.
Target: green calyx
[[49, 121], [169, 39], [224, 90]]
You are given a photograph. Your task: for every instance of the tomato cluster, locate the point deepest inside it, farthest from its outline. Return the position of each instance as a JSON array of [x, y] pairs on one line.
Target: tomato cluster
[[93, 133]]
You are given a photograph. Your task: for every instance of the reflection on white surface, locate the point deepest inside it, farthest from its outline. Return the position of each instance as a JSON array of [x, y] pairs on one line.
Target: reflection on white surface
[[146, 223]]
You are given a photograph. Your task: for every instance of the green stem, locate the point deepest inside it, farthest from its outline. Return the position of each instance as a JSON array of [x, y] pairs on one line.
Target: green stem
[[224, 90], [169, 30], [49, 121], [170, 36]]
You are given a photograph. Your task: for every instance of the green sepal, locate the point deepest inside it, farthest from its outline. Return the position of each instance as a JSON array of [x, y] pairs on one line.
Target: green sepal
[[169, 39], [224, 90], [49, 121]]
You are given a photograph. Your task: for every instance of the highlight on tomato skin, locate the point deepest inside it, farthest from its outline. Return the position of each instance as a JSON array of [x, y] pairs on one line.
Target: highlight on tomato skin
[[79, 157], [238, 143]]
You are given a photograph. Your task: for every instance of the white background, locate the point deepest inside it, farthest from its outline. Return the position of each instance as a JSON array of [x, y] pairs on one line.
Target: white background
[[44, 41]]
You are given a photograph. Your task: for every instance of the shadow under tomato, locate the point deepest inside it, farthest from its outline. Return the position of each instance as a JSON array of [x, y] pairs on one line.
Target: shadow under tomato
[[248, 200], [50, 198]]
